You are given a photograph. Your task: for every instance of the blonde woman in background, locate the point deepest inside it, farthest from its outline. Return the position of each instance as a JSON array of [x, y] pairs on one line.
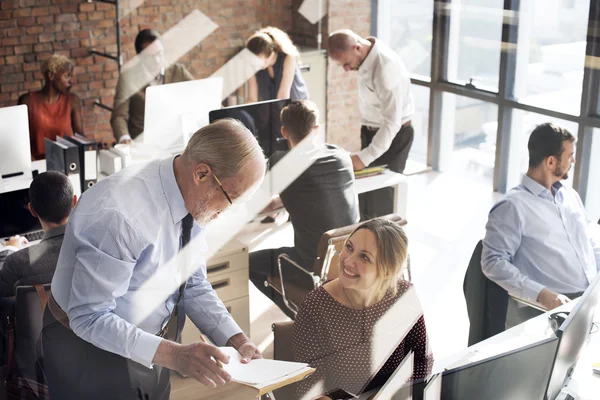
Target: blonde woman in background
[[358, 328], [280, 76], [54, 110]]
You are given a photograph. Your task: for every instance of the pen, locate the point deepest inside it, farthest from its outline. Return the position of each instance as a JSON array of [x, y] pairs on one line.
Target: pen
[[205, 340]]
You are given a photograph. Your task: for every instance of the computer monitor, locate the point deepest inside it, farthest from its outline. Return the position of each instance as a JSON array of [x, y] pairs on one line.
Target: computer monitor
[[15, 152], [15, 218], [518, 374], [262, 119], [175, 111], [573, 334]]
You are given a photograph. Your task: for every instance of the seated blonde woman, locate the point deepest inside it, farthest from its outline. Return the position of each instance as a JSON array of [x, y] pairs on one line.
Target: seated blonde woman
[[357, 329]]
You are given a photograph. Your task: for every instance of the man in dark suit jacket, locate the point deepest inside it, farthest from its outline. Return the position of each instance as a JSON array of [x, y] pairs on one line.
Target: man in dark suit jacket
[[51, 201]]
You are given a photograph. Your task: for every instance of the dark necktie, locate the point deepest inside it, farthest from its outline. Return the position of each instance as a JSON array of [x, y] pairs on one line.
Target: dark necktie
[[177, 319]]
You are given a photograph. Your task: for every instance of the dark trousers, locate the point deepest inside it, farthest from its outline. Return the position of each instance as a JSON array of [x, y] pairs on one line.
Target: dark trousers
[[264, 263], [76, 369], [381, 202]]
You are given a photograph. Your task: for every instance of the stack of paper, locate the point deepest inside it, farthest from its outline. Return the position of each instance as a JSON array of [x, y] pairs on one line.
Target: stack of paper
[[264, 375], [370, 171]]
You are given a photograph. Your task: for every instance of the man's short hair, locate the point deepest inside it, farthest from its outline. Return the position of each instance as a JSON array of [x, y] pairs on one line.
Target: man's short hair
[[51, 196], [146, 36], [547, 140], [299, 118]]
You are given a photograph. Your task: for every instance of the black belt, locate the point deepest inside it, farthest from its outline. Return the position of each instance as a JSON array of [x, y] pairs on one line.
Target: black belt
[[375, 129]]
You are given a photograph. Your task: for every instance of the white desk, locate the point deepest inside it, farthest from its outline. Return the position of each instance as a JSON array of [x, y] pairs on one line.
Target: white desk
[[395, 180], [585, 384]]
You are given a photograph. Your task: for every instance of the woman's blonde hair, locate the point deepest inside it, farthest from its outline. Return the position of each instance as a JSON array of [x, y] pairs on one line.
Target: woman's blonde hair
[[392, 252], [56, 63], [267, 40]]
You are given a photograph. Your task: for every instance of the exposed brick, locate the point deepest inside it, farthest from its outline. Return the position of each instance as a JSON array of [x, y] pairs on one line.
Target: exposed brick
[[45, 20], [10, 41], [29, 21], [40, 11], [33, 30], [42, 47], [66, 18], [23, 49], [13, 78], [86, 7], [33, 85], [46, 37], [29, 39]]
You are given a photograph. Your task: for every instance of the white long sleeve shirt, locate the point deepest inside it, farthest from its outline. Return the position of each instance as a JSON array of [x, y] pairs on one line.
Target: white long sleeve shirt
[[385, 99]]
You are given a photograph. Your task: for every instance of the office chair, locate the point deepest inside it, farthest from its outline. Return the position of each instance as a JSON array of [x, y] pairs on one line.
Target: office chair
[[24, 375], [325, 267], [282, 350], [487, 303]]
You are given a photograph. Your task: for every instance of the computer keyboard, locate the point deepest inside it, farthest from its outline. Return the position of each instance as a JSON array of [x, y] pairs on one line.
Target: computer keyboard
[[34, 236]]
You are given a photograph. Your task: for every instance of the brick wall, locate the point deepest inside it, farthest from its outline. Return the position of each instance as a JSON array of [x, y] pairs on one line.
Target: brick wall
[[31, 30], [343, 121]]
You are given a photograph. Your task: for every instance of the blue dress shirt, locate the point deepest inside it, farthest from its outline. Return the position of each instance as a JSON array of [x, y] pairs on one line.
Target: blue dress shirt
[[535, 239], [124, 230]]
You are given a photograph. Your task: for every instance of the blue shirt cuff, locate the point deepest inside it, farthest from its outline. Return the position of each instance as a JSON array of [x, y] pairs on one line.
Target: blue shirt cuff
[[145, 348], [531, 290], [225, 331]]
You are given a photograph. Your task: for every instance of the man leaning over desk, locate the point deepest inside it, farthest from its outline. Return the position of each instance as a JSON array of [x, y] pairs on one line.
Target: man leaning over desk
[[538, 243], [386, 109], [121, 251]]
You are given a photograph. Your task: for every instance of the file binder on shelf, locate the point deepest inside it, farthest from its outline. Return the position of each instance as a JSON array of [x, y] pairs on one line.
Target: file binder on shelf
[[63, 156], [88, 159], [109, 162]]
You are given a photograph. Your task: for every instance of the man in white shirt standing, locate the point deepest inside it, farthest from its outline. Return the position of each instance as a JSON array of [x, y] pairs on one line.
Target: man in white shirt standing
[[386, 108]]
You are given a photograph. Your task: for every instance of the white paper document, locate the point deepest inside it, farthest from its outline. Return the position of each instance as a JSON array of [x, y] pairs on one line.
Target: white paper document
[[260, 373]]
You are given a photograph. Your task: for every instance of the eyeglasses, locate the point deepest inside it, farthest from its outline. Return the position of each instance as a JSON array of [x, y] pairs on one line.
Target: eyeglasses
[[223, 190]]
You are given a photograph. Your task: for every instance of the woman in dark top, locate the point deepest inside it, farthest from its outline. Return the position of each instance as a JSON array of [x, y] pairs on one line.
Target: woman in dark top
[[357, 329], [54, 110], [279, 77]]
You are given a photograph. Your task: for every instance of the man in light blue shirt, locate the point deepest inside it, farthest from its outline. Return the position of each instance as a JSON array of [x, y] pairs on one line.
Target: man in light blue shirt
[[122, 250], [538, 244]]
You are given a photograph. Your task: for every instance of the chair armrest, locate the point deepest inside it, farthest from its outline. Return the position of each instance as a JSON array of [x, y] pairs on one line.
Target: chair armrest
[[531, 304], [287, 258]]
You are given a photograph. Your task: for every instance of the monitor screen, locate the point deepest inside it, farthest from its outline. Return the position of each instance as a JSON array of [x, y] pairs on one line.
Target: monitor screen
[[16, 218], [573, 335], [519, 374], [262, 119]]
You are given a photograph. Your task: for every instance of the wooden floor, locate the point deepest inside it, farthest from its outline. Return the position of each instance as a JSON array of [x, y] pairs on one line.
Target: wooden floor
[[446, 217]]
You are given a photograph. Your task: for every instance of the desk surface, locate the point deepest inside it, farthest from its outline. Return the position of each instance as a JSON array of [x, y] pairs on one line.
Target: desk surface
[[374, 182]]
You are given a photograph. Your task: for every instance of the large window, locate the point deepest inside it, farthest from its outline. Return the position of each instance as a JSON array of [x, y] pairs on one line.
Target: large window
[[470, 134], [475, 37], [552, 41], [406, 26], [493, 69]]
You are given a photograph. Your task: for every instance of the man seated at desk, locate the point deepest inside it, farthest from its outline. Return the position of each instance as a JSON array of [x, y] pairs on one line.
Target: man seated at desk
[[127, 119], [538, 245], [320, 199], [51, 200]]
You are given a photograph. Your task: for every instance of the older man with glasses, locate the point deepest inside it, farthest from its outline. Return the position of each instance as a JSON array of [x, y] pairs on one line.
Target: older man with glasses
[[102, 339]]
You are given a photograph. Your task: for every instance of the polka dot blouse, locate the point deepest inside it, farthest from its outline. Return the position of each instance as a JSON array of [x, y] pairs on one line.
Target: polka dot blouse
[[337, 341]]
